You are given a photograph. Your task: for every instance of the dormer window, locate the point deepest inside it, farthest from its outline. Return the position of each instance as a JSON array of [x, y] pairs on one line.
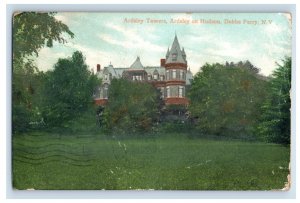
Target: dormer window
[[174, 57]]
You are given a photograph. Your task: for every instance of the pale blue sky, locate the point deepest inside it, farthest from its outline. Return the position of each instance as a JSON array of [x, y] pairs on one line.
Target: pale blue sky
[[105, 38]]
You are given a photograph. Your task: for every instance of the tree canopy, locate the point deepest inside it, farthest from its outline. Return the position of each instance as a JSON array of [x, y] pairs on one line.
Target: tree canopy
[[68, 89], [276, 120], [225, 99], [132, 107], [31, 32]]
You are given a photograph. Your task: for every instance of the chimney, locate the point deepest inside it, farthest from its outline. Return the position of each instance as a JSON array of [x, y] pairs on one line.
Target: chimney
[[162, 62], [98, 67]]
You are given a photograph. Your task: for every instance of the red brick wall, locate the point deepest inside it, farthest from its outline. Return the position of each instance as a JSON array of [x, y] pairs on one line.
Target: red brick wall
[[98, 67], [176, 66], [158, 83], [176, 100], [175, 82], [101, 102], [162, 62]]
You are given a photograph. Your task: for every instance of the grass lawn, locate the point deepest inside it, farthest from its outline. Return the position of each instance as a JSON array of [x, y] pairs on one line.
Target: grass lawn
[[173, 162]]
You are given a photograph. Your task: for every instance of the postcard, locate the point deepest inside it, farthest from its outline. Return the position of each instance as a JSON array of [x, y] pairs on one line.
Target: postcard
[[151, 101]]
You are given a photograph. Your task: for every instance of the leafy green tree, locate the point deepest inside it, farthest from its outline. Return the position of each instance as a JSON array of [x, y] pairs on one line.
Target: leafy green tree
[[276, 120], [225, 99], [31, 32], [68, 90], [132, 107]]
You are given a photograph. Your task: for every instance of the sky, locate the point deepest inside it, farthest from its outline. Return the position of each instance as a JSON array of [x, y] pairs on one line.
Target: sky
[[118, 38]]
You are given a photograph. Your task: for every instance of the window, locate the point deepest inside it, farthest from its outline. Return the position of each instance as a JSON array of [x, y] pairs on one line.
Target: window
[[173, 74], [174, 57], [105, 93], [180, 93], [161, 77], [155, 77], [181, 74], [105, 77], [149, 77], [167, 75], [168, 91]]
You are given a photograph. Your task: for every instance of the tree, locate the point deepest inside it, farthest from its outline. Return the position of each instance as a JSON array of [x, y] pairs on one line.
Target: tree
[[225, 99], [31, 32], [132, 107], [68, 90], [276, 120]]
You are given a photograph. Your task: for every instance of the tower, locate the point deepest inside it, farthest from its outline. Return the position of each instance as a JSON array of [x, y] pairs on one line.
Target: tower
[[175, 71]]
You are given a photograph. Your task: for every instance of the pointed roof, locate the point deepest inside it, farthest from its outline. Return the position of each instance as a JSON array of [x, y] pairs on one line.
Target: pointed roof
[[155, 72], [175, 55], [168, 53], [137, 65], [183, 52]]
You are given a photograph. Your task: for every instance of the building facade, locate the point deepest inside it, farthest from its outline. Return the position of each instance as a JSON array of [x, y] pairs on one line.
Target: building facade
[[172, 76]]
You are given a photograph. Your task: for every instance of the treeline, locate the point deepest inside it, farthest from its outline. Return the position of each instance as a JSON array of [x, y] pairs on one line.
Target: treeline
[[52, 99], [229, 100], [234, 100]]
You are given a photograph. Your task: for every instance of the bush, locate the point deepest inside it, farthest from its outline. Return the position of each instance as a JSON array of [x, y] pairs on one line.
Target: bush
[[133, 107], [20, 119], [226, 99]]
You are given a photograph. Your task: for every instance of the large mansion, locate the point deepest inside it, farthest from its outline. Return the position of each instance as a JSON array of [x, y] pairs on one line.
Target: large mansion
[[171, 77]]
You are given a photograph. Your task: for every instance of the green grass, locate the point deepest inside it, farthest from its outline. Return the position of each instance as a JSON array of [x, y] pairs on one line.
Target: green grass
[[174, 162]]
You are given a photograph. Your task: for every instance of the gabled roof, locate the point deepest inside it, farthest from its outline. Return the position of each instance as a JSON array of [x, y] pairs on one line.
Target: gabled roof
[[155, 72], [175, 55], [137, 65], [150, 70]]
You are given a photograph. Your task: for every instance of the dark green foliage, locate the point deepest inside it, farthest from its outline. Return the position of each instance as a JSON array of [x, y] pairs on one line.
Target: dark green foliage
[[132, 106], [20, 118], [31, 32], [225, 100], [84, 124], [276, 120], [26, 99], [68, 90]]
